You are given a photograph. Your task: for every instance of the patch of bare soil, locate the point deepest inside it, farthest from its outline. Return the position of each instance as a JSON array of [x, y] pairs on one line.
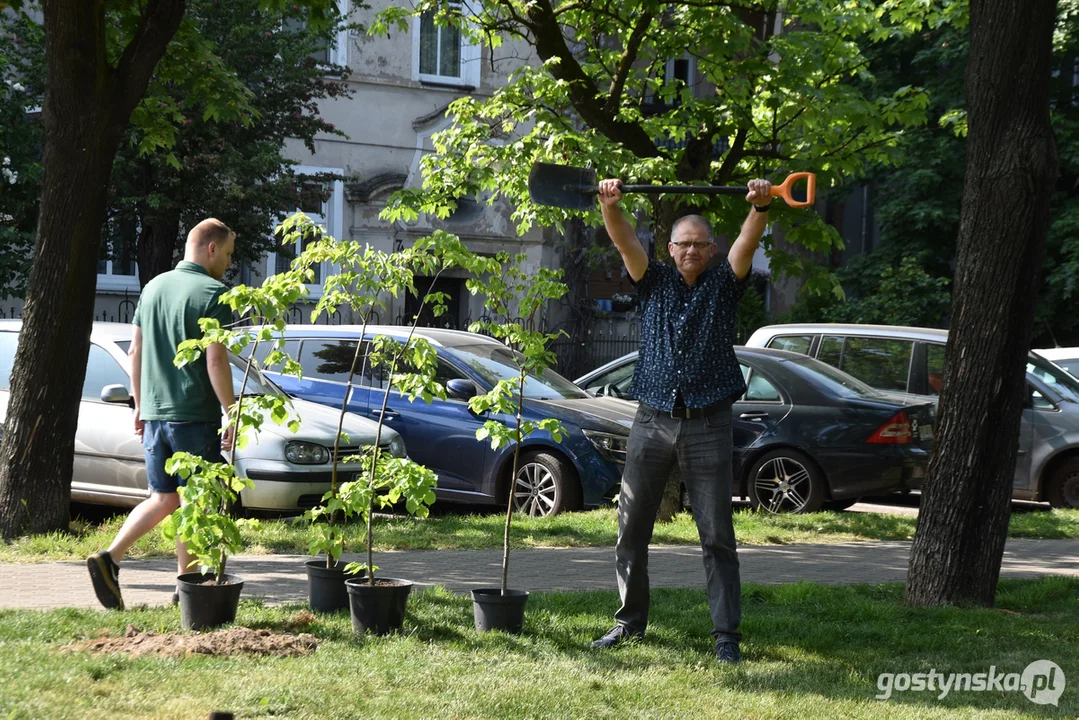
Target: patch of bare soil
[[235, 641]]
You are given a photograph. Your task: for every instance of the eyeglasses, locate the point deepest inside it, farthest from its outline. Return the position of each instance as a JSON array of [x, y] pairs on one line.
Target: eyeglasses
[[686, 244]]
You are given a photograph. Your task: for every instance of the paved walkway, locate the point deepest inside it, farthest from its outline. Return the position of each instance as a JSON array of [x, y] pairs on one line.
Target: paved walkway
[[281, 578]]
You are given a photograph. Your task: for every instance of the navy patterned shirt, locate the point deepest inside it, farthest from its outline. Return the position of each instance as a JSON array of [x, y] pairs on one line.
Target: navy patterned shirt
[[687, 337]]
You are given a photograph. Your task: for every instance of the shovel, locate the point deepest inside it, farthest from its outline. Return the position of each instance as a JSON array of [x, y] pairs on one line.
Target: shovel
[[574, 188]]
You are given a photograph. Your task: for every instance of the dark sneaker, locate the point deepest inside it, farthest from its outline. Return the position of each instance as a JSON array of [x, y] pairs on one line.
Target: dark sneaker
[[105, 574], [727, 653], [616, 636], [176, 598]]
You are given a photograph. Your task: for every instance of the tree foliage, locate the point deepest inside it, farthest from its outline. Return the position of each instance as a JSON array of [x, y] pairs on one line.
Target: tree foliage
[[22, 89], [188, 153], [604, 93], [186, 160], [100, 59], [918, 201]]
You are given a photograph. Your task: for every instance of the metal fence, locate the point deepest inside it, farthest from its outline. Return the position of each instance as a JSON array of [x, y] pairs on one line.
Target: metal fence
[[599, 344]]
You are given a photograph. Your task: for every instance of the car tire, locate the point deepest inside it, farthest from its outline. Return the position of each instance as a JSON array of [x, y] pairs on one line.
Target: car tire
[[1062, 490], [785, 481], [546, 485]]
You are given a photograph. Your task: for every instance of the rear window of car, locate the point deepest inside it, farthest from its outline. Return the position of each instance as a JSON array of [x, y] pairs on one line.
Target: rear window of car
[[829, 380], [883, 363], [1061, 382], [9, 342], [934, 367], [792, 343], [289, 347], [332, 360], [1070, 365], [758, 387]]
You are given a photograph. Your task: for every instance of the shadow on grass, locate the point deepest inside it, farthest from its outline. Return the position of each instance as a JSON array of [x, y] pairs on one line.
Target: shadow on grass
[[866, 526], [804, 639], [1051, 524]]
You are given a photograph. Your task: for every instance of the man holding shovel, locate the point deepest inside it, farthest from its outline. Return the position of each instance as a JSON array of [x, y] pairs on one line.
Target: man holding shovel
[[686, 379]]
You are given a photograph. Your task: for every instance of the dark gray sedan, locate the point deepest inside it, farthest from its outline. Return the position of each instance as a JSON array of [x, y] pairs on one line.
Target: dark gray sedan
[[808, 436]]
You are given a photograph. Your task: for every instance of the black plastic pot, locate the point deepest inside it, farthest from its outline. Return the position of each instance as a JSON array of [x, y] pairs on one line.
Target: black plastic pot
[[204, 603], [494, 611], [378, 608], [326, 586]]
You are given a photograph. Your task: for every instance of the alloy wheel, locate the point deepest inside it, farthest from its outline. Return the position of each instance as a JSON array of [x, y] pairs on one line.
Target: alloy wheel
[[535, 491], [783, 485]]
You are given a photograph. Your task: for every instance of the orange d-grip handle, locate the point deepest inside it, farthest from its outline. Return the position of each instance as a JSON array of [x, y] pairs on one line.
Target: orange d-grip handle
[[784, 190]]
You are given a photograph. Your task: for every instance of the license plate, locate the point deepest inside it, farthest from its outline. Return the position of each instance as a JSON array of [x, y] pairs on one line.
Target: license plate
[[925, 432]]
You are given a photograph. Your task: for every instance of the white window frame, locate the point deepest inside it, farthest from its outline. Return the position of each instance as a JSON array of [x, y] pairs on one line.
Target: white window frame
[[338, 54], [470, 58], [334, 220], [691, 81], [108, 282]]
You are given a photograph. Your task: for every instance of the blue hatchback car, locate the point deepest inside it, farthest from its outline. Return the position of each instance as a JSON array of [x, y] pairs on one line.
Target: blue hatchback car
[[583, 470]]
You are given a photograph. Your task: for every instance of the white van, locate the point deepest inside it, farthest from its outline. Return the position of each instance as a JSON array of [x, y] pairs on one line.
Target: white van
[[911, 360]]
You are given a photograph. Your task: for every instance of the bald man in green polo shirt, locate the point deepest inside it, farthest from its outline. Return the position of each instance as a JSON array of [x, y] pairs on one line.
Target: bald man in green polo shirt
[[176, 409]]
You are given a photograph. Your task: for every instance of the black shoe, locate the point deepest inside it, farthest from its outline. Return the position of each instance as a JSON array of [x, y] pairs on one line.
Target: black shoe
[[105, 575], [727, 653], [616, 636], [176, 598]]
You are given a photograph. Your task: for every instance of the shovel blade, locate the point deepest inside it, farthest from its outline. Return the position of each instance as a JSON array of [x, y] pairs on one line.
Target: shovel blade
[[562, 186]]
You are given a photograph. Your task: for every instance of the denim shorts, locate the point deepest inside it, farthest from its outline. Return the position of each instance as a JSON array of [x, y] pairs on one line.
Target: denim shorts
[[162, 438]]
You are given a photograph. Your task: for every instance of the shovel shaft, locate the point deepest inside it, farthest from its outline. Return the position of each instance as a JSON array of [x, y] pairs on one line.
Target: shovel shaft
[[668, 189], [783, 190], [685, 189], [574, 188]]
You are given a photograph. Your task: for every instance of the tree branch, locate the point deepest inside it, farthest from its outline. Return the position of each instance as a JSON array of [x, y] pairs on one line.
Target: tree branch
[[734, 156], [583, 94], [156, 29], [625, 63]]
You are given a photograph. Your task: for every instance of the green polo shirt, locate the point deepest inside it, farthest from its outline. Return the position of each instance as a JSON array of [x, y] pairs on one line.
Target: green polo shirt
[[168, 313]]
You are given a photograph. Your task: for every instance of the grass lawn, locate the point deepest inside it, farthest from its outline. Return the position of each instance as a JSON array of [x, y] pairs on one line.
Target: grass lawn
[[810, 650], [596, 528]]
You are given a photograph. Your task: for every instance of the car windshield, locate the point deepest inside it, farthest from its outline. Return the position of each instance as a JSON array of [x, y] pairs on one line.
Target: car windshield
[[495, 362], [827, 379], [1071, 365], [1058, 380], [257, 384]]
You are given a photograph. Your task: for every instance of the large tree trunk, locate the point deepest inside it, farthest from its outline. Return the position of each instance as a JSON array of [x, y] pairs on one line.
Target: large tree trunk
[[87, 106], [157, 245], [1011, 170]]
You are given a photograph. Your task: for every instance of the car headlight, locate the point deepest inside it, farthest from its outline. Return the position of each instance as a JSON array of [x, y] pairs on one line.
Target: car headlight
[[305, 453], [397, 447], [610, 446]]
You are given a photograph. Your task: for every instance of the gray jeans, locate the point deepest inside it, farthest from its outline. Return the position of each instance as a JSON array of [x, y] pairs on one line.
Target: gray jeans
[[702, 448]]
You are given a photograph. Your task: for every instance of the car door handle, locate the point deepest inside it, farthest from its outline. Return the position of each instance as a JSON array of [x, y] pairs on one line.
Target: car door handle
[[390, 414], [753, 415], [1022, 452]]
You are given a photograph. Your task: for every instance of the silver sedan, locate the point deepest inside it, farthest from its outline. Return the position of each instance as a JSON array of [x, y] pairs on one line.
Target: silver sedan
[[291, 471]]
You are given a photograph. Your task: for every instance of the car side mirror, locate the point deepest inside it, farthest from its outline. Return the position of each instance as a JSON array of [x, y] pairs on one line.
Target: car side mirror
[[117, 394], [461, 389]]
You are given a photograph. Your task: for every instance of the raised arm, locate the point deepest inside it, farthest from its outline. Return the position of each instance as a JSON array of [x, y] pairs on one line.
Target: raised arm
[[622, 233], [743, 249]]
